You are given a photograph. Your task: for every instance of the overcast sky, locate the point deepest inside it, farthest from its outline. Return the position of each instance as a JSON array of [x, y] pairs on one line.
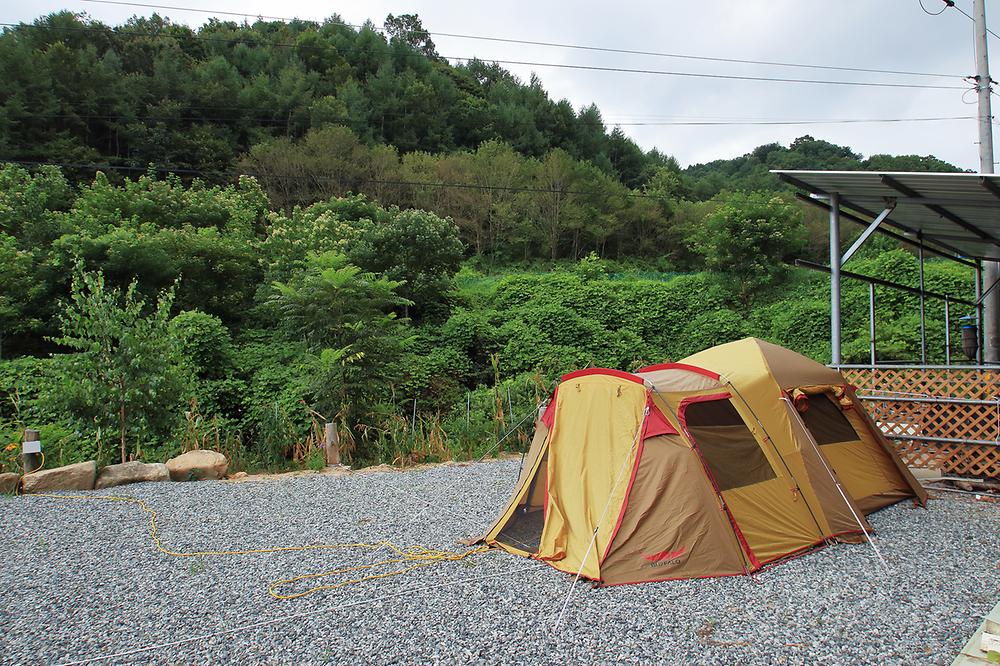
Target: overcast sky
[[881, 34]]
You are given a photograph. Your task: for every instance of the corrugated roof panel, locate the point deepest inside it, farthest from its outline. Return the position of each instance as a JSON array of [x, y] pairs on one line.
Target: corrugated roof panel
[[961, 195]]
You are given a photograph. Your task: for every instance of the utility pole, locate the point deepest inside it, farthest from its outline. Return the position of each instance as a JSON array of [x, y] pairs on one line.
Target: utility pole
[[991, 269]]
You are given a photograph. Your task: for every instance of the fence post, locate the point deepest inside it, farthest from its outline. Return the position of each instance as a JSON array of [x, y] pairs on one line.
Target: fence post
[[331, 444]]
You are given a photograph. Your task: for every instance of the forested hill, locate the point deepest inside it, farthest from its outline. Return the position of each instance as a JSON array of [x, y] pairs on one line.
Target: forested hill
[[751, 171], [151, 92]]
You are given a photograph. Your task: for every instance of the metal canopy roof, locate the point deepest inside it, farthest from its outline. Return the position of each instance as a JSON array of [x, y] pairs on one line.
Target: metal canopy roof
[[957, 212]]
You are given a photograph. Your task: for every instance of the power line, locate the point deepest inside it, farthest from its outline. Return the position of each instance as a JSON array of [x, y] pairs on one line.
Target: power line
[[594, 68], [949, 4], [670, 123], [830, 121], [728, 77], [561, 45]]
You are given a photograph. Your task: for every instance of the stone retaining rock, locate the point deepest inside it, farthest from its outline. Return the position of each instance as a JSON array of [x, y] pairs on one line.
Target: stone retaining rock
[[131, 472], [8, 483], [80, 476], [198, 465]]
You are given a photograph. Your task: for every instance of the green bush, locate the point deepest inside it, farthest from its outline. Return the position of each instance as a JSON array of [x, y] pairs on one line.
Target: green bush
[[126, 381]]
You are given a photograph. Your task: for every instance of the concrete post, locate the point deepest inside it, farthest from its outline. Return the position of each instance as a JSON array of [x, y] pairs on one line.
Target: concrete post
[[991, 269], [31, 451]]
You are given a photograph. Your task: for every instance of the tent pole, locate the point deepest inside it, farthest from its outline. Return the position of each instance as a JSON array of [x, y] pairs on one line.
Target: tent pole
[[836, 482]]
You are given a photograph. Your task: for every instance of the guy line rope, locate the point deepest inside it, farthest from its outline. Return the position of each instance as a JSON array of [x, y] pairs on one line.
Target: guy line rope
[[414, 557], [407, 559]]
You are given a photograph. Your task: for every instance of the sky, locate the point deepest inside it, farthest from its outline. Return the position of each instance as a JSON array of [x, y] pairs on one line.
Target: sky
[[873, 34]]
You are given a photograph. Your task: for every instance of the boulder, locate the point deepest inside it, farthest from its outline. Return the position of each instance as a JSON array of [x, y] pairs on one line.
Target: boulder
[[198, 465], [80, 476], [8, 483], [131, 472]]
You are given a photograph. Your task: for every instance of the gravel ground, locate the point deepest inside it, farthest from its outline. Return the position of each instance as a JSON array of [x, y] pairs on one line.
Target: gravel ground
[[81, 580]]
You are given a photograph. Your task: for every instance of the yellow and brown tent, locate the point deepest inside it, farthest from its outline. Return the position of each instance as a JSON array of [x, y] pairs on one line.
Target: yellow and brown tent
[[740, 456]]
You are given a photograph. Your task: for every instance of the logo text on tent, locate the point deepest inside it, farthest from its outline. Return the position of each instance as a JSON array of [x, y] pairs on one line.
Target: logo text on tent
[[663, 558]]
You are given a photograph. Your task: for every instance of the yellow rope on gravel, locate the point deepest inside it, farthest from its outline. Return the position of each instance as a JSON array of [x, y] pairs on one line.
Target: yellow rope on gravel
[[417, 556]]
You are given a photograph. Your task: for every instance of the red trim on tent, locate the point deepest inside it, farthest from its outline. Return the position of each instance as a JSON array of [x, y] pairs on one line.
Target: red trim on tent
[[549, 419], [661, 421], [732, 520], [549, 415], [628, 491], [602, 371], [680, 366], [656, 422]]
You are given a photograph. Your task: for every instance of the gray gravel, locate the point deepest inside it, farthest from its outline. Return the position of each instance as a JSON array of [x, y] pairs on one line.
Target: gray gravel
[[81, 580]]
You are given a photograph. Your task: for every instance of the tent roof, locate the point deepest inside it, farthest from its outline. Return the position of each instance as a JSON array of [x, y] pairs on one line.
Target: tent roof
[[959, 212], [750, 361], [792, 370]]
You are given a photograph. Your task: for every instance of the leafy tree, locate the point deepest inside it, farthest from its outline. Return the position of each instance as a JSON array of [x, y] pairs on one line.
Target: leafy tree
[[418, 249], [204, 341], [556, 207], [501, 171], [409, 29], [126, 377], [748, 238], [206, 347], [345, 318], [17, 284], [328, 162]]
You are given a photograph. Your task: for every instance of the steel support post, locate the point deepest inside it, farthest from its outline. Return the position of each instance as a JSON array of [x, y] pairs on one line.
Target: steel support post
[[835, 279], [979, 312], [871, 321], [923, 319], [947, 333]]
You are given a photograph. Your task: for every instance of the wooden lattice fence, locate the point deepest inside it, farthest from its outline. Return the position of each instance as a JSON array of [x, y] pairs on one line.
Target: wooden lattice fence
[[923, 403]]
